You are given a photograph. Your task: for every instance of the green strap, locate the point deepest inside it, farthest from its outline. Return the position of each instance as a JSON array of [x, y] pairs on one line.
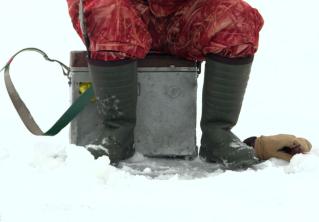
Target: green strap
[[24, 112]]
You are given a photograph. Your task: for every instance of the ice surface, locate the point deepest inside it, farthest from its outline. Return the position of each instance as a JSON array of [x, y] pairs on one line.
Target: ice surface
[[161, 168]]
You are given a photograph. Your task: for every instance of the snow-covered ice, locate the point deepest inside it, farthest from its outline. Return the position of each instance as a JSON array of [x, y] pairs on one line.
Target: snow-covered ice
[[66, 184], [46, 179]]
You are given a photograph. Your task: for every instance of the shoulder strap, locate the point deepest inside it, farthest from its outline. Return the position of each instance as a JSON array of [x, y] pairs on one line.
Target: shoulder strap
[[24, 112]]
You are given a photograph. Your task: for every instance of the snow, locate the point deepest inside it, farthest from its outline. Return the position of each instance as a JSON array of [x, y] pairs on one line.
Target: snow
[[46, 179], [64, 183]]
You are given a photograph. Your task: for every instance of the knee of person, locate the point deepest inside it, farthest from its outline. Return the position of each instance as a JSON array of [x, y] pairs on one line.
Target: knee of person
[[248, 15], [234, 11]]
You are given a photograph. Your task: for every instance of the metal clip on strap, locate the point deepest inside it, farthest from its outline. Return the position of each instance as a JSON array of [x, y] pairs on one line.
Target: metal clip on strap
[[24, 112]]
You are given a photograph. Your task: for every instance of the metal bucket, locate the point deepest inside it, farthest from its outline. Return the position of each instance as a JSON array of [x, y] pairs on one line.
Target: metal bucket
[[166, 106]]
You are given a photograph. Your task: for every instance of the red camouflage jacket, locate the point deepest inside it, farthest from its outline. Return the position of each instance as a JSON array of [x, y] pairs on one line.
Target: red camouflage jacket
[[162, 8]]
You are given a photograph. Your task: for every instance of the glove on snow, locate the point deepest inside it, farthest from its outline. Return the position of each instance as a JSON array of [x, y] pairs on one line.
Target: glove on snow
[[282, 146]]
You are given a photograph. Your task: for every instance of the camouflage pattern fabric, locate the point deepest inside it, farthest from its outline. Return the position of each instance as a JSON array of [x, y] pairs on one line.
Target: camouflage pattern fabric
[[186, 28]]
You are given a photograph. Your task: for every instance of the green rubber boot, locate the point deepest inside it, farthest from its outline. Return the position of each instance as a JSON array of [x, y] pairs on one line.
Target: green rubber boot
[[115, 87], [224, 87]]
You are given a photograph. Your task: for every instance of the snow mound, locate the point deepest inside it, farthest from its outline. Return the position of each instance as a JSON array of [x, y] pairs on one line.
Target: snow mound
[[75, 162], [3, 153], [304, 164]]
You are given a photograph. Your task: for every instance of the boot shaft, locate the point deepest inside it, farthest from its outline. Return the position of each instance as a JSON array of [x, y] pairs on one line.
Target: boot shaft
[[224, 88], [115, 87]]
